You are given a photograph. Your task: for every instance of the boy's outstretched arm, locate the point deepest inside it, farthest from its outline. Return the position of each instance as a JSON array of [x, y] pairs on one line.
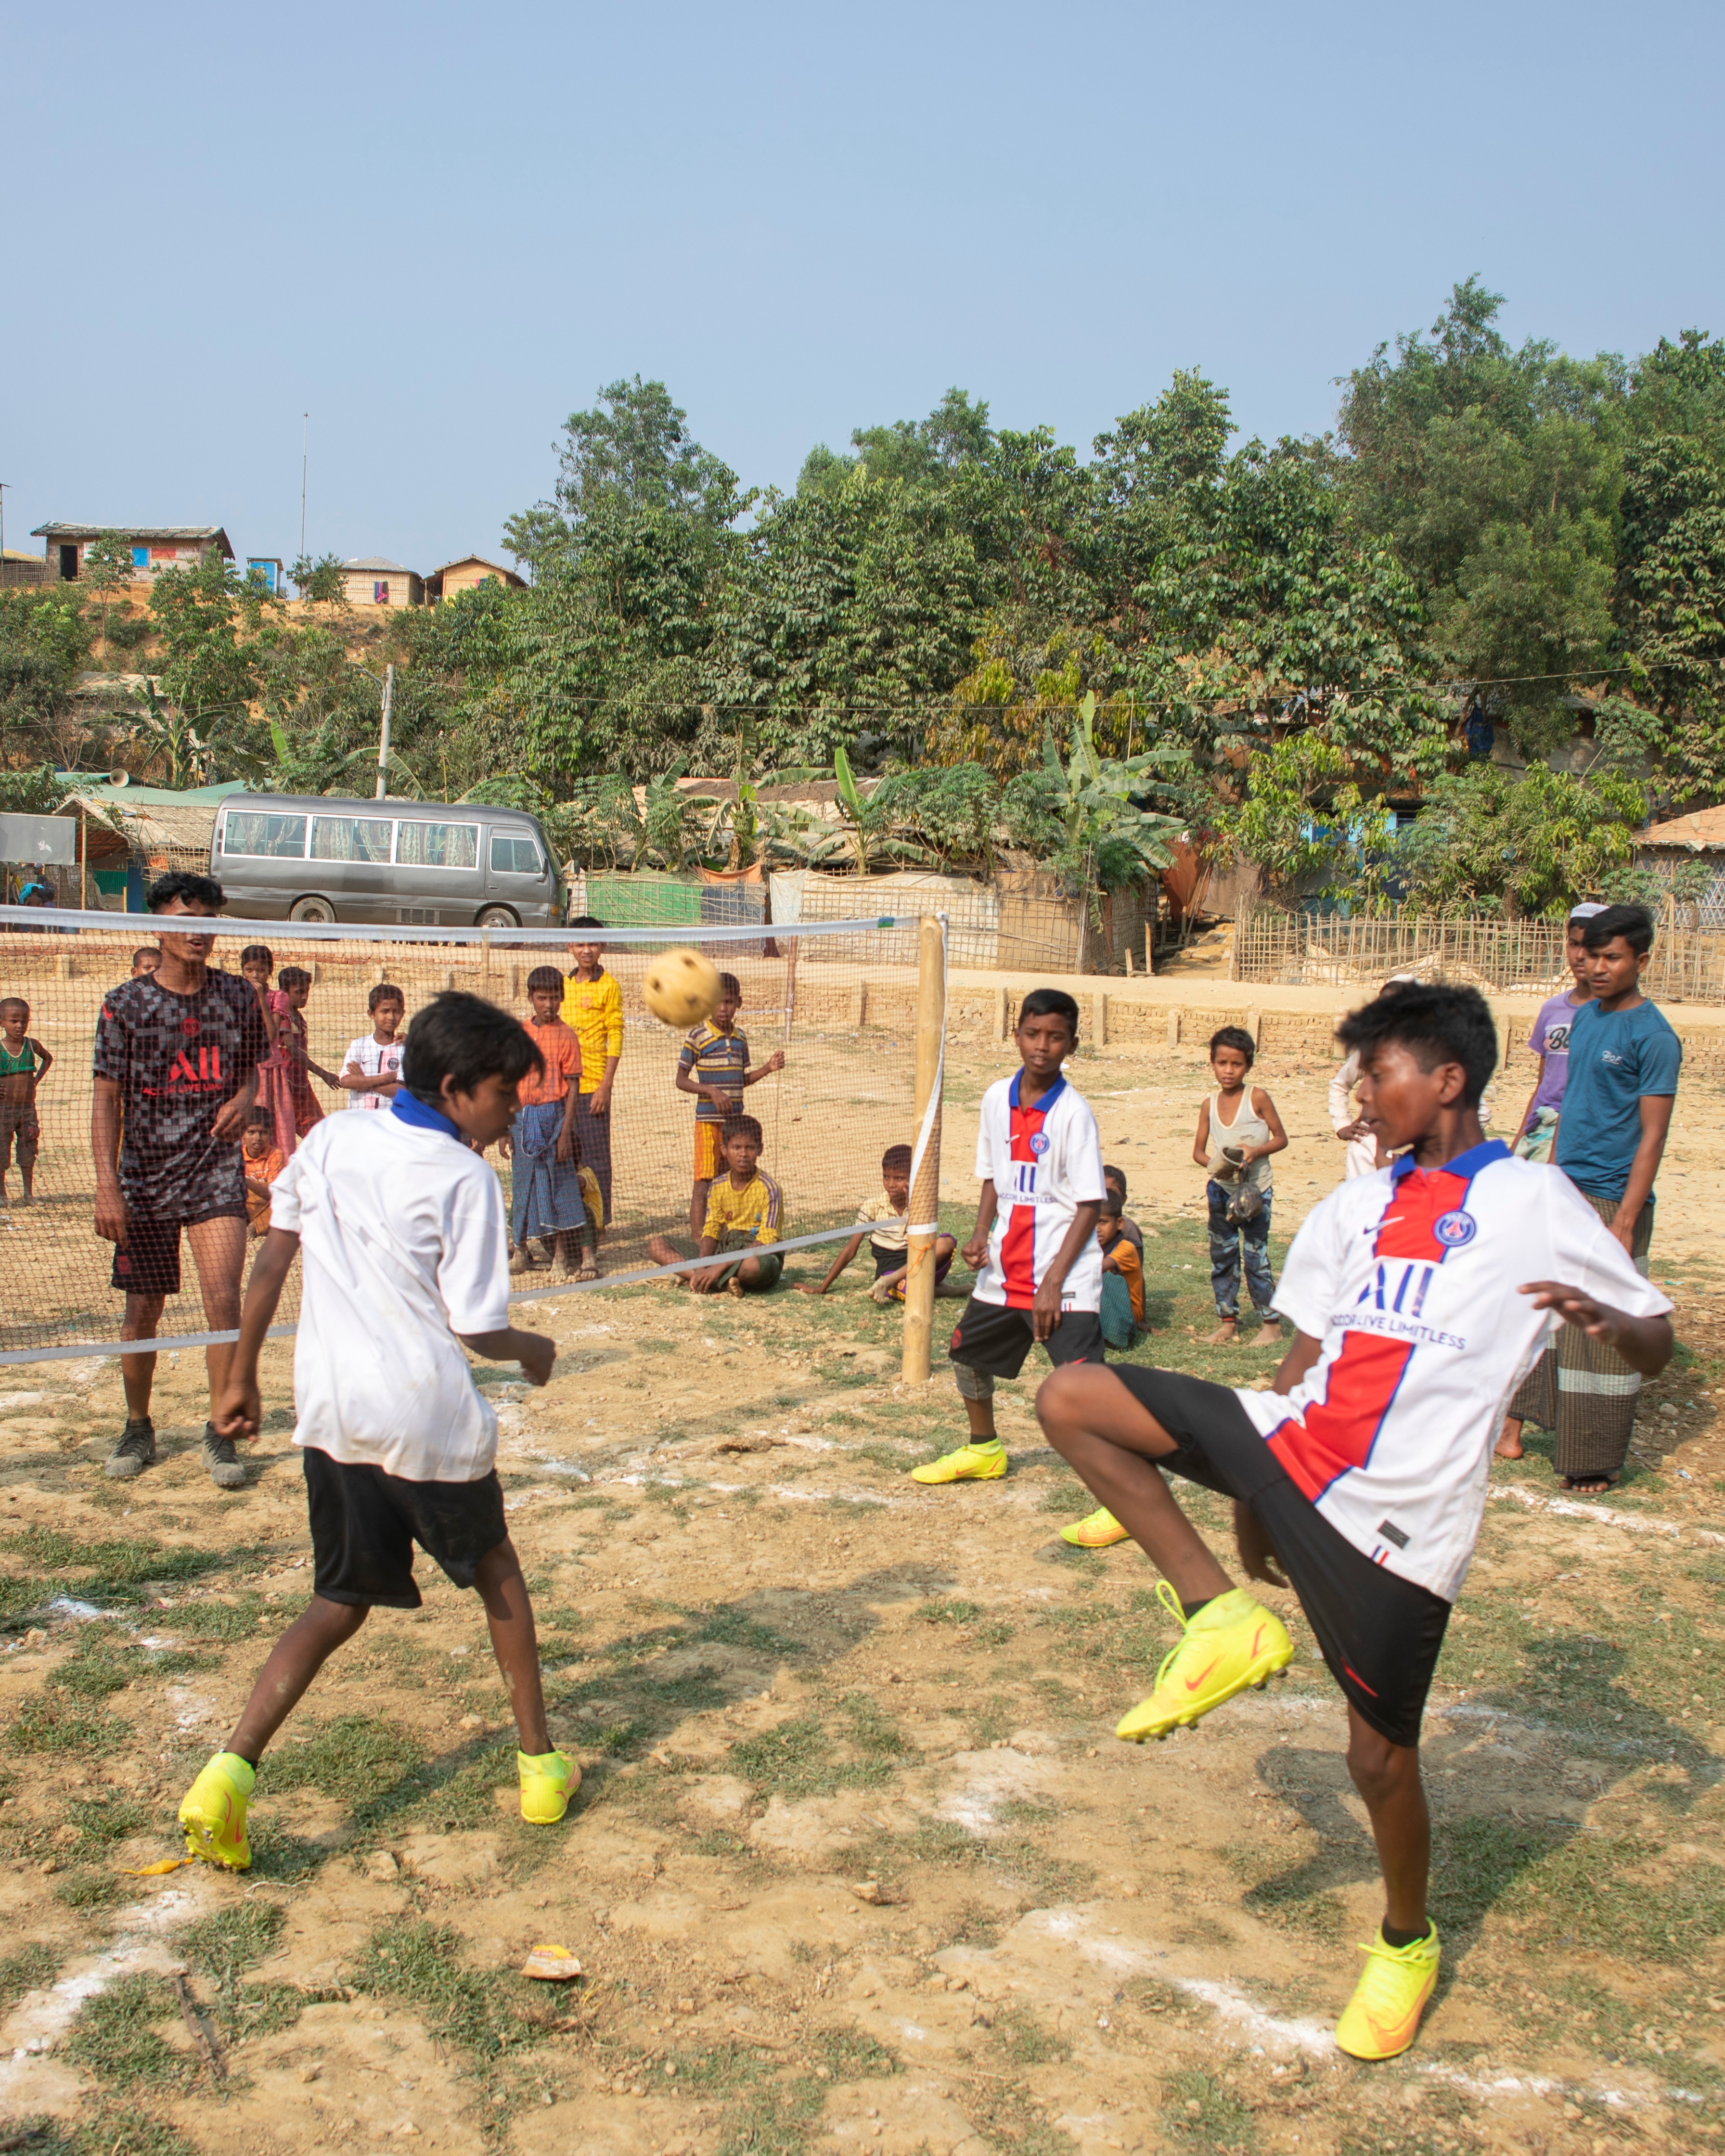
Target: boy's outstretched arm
[[845, 1257], [240, 1411], [1644, 1343]]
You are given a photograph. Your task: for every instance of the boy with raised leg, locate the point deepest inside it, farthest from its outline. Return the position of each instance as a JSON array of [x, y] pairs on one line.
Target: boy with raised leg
[[1038, 1158], [401, 1225], [1420, 1296]]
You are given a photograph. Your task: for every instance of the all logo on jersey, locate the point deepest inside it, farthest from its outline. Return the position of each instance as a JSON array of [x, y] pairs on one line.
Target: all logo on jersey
[[1455, 1230], [1403, 1294]]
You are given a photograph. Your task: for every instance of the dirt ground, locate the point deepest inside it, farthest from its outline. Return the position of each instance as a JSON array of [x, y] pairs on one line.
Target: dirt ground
[[857, 1864]]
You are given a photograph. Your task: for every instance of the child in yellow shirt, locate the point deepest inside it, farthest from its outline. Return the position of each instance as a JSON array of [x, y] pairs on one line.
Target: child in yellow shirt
[[744, 1203]]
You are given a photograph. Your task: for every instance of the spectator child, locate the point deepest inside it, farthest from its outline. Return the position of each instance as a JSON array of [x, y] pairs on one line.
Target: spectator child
[[292, 996], [745, 1205], [1238, 1130], [593, 1005], [1122, 1309], [399, 1445], [542, 1144], [144, 960], [261, 1162], [888, 1239], [714, 1066], [373, 1064], [23, 1065], [1549, 1041], [256, 964], [1038, 1158], [1115, 1178]]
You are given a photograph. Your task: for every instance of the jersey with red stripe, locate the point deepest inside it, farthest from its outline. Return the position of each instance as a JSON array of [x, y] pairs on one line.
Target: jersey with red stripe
[[1044, 1163], [1409, 1279]]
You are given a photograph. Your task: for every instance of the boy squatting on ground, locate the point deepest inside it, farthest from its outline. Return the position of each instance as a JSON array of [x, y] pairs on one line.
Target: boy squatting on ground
[[742, 1202], [714, 1066], [1420, 1296], [1618, 1098], [1237, 1131], [888, 1230], [1038, 1158], [400, 1224], [260, 1162], [23, 1065]]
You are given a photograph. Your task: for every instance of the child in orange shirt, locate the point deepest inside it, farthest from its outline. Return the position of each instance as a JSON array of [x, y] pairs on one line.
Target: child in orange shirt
[[542, 1145], [261, 1161]]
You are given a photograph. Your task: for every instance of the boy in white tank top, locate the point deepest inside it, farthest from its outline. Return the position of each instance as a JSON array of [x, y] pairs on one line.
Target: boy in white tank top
[[1238, 1130]]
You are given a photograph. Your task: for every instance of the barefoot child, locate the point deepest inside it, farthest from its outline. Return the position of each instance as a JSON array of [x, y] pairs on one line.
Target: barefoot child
[[401, 1225], [888, 1238], [1421, 1296], [23, 1065], [1238, 1130], [544, 1170], [714, 1066], [744, 1203], [592, 1004], [1039, 1156]]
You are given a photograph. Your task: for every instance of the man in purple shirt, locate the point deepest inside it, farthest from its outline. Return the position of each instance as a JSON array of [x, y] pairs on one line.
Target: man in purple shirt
[[1549, 1041]]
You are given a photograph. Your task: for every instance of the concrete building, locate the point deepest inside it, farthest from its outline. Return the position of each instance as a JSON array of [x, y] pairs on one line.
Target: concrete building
[[154, 548], [468, 574], [378, 583]]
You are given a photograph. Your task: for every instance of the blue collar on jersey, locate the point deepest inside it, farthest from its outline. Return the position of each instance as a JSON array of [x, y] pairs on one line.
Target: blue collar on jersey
[[1466, 1165], [423, 1118], [1045, 1102]]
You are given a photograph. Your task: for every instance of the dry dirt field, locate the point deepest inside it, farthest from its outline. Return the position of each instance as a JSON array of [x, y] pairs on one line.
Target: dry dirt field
[[857, 1864]]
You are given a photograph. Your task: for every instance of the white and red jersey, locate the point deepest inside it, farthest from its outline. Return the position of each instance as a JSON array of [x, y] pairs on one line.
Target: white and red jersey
[[1409, 1278], [1044, 1163]]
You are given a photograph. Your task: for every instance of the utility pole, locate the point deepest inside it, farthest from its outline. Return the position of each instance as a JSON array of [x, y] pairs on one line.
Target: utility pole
[[305, 444], [383, 730]]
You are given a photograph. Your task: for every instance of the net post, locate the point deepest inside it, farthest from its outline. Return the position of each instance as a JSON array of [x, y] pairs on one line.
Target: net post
[[926, 1182]]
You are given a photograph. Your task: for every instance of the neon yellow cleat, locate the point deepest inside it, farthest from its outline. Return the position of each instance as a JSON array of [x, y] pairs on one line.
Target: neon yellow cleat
[[1233, 1641], [970, 1463], [1098, 1530], [213, 1813], [1383, 2017], [548, 1783]]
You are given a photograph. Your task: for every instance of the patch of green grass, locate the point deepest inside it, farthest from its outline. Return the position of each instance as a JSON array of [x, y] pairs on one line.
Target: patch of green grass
[[356, 1759], [104, 2127], [1201, 2111], [954, 1612], [850, 2056], [55, 1723], [773, 2119], [1020, 2037], [27, 1970], [1475, 1860], [213, 1619], [87, 1888], [115, 2036], [486, 2013], [226, 1944], [731, 1627], [102, 1661], [116, 1570], [1615, 1893], [561, 1619], [104, 1817]]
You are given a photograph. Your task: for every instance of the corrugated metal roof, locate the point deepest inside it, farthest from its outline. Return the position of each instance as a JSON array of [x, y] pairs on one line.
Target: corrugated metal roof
[[131, 531], [1701, 829], [385, 568], [482, 561]]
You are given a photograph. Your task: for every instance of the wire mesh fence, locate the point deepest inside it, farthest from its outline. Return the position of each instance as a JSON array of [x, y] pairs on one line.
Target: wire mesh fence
[[843, 1023]]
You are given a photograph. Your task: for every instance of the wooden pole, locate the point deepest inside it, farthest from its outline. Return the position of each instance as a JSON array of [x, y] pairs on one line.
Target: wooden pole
[[926, 1189]]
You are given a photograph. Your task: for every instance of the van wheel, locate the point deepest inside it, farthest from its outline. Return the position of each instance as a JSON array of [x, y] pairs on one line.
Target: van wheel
[[311, 909], [497, 916]]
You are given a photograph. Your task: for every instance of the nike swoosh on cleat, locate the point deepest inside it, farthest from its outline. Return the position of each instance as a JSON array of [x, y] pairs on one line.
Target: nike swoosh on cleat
[[1193, 1683]]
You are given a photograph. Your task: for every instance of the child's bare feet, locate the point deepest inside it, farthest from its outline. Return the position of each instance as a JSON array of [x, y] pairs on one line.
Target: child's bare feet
[[1509, 1440], [1226, 1331]]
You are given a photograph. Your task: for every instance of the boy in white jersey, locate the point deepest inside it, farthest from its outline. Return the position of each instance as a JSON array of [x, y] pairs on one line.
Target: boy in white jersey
[[1420, 1294], [1038, 1158]]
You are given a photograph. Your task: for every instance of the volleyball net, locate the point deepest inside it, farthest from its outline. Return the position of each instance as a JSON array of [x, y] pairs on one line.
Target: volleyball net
[[837, 1001]]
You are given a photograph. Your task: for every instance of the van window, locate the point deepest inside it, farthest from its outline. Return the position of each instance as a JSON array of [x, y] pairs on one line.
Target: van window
[[256, 832], [514, 857], [438, 846], [350, 839]]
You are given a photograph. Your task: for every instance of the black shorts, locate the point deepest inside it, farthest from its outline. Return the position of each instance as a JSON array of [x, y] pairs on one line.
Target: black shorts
[[365, 1523], [995, 1340], [149, 1263], [1380, 1634]]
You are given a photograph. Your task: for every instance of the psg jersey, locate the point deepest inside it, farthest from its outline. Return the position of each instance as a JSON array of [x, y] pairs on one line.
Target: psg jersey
[[1044, 1163]]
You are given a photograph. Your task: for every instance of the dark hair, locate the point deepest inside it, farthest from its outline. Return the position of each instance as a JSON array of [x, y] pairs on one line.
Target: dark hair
[[1113, 1204], [463, 1039], [1634, 923], [293, 977], [1440, 1024], [729, 985], [258, 954], [1237, 1038], [741, 1126], [381, 994], [189, 889], [148, 951], [1050, 1002], [902, 1156], [545, 977], [1116, 1175], [259, 1119], [584, 920], [14, 1003]]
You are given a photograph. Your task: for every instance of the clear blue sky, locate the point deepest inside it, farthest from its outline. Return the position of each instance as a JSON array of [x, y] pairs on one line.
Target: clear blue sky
[[440, 229]]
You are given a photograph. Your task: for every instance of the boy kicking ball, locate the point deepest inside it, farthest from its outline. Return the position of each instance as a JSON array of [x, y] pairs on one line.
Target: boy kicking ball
[[1420, 1295], [406, 1263]]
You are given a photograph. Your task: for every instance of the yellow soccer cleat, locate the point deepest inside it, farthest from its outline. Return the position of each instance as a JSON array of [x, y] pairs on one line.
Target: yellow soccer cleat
[[1097, 1530], [213, 1813], [548, 1783], [1383, 2017], [1233, 1641], [970, 1463]]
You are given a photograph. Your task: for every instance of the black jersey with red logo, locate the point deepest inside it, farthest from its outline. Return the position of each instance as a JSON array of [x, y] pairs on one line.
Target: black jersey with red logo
[[176, 1059]]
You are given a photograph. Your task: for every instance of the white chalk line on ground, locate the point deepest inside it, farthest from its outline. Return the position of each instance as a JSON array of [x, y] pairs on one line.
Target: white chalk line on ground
[[1639, 1523]]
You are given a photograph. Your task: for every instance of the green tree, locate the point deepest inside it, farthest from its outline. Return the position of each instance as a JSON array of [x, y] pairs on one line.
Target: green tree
[[322, 581], [1489, 839], [106, 571], [1302, 820], [207, 619]]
